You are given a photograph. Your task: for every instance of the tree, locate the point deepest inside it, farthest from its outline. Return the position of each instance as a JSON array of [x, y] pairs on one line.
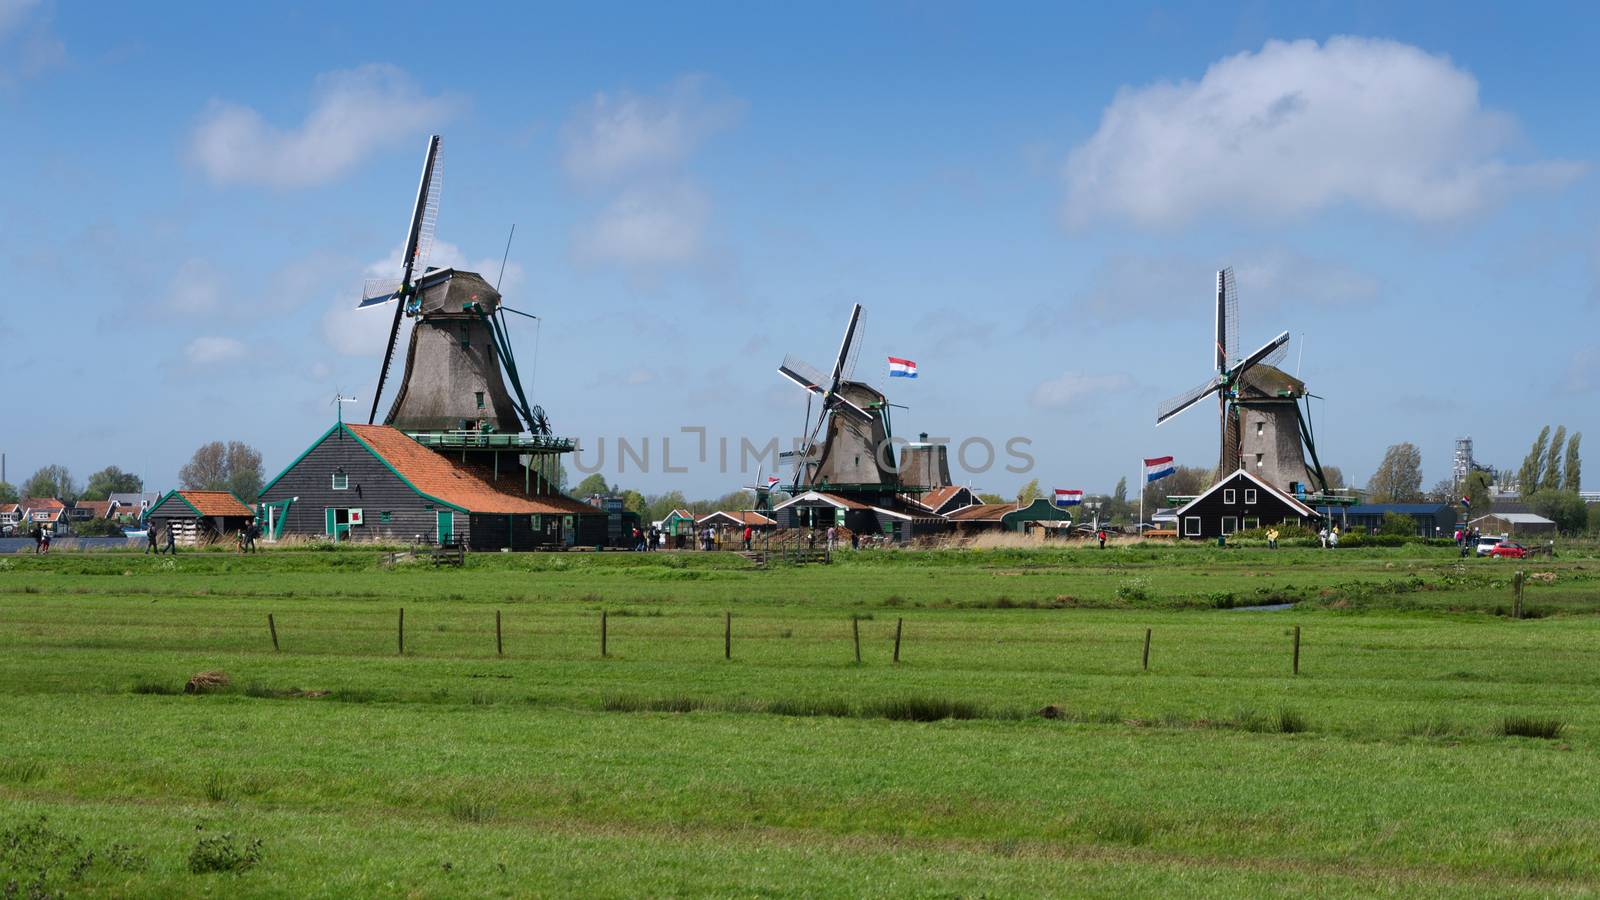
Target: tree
[[1118, 509], [234, 466], [1550, 480], [634, 502], [1029, 493], [1532, 464], [661, 504], [1399, 524], [1399, 476], [1574, 467], [1443, 491], [1185, 481], [51, 481], [1335, 476], [1568, 511], [8, 492], [593, 484], [1477, 488], [991, 498], [111, 480]]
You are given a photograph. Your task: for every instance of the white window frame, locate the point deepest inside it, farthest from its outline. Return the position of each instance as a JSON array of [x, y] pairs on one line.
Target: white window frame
[[1230, 524], [341, 481], [1191, 526], [1229, 496], [1249, 495]]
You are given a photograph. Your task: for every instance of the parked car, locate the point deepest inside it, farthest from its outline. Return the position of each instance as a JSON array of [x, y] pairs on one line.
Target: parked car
[[1486, 544], [1508, 550]]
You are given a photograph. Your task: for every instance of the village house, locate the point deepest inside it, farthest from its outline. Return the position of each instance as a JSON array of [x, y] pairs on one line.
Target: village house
[[1241, 502]]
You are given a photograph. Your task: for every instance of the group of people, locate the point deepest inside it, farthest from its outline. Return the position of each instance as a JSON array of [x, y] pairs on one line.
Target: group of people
[[41, 540], [1467, 539], [1328, 536], [152, 533]]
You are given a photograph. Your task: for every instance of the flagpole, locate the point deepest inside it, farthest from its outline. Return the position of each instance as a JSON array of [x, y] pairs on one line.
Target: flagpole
[[1141, 498]]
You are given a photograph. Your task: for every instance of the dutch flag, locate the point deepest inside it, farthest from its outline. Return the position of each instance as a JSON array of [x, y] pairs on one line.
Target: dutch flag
[[1068, 498], [1157, 468], [772, 481], [902, 368]]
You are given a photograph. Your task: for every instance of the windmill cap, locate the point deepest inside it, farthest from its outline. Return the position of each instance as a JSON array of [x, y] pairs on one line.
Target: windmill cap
[[453, 291]]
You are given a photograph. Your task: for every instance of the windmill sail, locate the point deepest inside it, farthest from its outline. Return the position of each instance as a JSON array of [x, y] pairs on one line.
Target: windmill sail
[[419, 240], [1183, 401]]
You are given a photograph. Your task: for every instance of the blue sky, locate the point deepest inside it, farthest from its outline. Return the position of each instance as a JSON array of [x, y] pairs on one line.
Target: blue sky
[[1030, 201]]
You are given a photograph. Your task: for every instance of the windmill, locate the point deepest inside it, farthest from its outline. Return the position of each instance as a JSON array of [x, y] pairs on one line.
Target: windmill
[[1262, 427], [459, 358], [853, 423]]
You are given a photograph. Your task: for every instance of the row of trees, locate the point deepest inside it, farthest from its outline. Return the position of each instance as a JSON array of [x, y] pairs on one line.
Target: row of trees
[[1548, 468], [217, 466]]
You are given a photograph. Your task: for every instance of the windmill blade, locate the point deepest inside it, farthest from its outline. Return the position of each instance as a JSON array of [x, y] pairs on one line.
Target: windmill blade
[[424, 214], [1187, 399], [844, 348], [839, 404], [803, 373], [378, 291], [388, 358], [1267, 349], [1227, 319]]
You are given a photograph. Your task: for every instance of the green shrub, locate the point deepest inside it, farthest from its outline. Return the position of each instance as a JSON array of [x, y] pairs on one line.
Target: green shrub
[[922, 709], [222, 853], [472, 809]]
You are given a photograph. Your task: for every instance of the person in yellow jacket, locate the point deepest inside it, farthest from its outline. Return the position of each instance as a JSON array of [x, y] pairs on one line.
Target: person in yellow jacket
[[1272, 538]]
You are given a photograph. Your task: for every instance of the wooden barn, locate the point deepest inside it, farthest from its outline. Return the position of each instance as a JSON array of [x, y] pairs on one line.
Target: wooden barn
[[821, 509], [943, 500], [369, 482], [199, 517], [1238, 503]]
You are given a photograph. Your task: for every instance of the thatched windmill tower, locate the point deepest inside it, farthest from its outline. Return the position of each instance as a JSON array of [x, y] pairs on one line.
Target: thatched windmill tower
[[1263, 428], [460, 388], [854, 453]]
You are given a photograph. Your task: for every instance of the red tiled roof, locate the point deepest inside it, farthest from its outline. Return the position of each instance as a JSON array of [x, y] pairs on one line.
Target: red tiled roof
[[980, 512], [459, 484], [11, 507], [99, 509], [216, 503], [43, 503], [940, 496]]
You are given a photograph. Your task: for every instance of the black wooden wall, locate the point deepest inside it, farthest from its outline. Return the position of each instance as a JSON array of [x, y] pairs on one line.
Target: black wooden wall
[[373, 489], [1269, 509]]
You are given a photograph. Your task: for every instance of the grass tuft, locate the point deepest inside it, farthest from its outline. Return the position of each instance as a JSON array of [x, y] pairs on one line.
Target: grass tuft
[[217, 789], [834, 708], [1532, 726], [922, 709], [472, 809], [153, 686], [21, 771], [658, 704], [1292, 721], [221, 853]]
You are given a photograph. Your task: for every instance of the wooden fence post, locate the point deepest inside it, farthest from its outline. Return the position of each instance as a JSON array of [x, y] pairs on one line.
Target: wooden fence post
[[603, 633], [402, 631], [855, 629], [499, 640], [1297, 650], [273, 627], [1517, 582], [727, 635], [1147, 649], [898, 623]]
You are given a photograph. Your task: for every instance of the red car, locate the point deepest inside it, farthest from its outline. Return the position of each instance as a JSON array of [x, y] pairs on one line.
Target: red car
[[1509, 550]]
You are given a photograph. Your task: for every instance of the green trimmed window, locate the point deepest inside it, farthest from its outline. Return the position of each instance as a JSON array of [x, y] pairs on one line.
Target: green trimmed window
[[385, 517], [341, 481]]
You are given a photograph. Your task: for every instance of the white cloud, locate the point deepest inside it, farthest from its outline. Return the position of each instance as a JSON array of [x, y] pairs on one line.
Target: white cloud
[[1070, 388], [28, 45], [354, 112], [361, 332], [212, 350], [1299, 127], [196, 289], [647, 226], [624, 134]]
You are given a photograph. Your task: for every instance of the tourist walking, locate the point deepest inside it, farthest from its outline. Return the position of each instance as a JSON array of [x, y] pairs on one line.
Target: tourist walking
[[150, 539], [1272, 539], [748, 534], [44, 543], [172, 541], [38, 540], [833, 535], [1101, 534]]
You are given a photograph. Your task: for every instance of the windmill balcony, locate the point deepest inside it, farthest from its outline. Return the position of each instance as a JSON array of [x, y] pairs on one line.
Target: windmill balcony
[[536, 443]]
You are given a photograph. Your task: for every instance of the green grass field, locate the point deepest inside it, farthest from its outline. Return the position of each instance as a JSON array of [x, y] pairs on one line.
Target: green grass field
[[337, 766]]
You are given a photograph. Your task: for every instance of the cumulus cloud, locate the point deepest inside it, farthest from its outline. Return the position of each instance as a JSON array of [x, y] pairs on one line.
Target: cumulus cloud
[[647, 226], [1070, 389], [624, 134], [353, 113], [214, 350], [1299, 127], [361, 332]]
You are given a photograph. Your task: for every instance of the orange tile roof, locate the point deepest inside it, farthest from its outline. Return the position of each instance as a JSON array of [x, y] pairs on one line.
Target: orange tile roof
[[99, 508], [738, 517], [216, 503], [979, 512], [459, 484], [42, 503], [940, 496]]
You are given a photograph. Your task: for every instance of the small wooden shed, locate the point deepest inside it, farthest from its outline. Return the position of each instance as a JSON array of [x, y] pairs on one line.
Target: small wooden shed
[[200, 517]]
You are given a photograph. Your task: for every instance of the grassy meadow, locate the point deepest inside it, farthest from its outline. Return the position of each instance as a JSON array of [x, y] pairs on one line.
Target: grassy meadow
[[1431, 745]]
